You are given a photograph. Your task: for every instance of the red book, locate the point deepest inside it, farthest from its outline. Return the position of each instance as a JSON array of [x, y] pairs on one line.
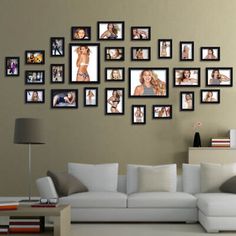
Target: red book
[[43, 205], [7, 208]]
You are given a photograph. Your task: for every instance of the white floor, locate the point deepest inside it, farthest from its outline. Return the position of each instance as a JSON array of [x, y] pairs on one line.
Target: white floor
[[143, 229]]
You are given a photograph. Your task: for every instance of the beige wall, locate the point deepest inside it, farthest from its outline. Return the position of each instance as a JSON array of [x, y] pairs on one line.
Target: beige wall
[[87, 135]]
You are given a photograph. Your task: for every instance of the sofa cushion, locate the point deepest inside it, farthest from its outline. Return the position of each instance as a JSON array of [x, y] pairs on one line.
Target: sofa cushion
[[96, 200], [161, 200], [157, 179], [213, 175], [191, 178], [66, 183], [217, 204], [229, 186], [132, 176], [97, 178]]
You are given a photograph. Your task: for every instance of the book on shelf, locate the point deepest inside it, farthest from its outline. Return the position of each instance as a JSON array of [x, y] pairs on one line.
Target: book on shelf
[[220, 142], [44, 205], [9, 205], [4, 229]]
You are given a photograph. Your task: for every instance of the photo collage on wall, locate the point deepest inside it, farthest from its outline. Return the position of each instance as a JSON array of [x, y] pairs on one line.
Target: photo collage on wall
[[84, 67]]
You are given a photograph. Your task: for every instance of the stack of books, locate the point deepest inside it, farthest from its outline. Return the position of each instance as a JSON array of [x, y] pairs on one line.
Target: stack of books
[[5, 206], [26, 224], [220, 142], [4, 229]]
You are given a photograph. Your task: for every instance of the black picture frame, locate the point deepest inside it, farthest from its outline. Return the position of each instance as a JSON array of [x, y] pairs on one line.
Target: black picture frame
[[224, 78], [92, 94], [34, 77], [80, 33], [38, 99], [213, 55], [119, 75], [60, 104], [114, 53], [138, 116], [57, 46], [190, 77], [140, 53], [118, 33], [117, 107], [185, 106], [93, 69], [186, 50], [162, 112], [157, 73], [210, 99], [140, 33], [163, 51], [12, 66], [35, 57], [57, 73]]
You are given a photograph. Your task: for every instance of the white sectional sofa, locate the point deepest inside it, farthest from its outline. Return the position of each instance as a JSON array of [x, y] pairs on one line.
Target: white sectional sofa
[[215, 211]]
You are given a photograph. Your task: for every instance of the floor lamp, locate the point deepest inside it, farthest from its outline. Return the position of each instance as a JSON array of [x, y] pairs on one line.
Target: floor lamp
[[29, 131]]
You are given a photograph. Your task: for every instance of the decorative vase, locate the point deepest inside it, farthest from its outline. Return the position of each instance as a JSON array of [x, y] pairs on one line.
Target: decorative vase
[[197, 140]]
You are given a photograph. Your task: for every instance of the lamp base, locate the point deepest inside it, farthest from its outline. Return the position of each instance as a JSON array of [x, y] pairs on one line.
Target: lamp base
[[29, 201]]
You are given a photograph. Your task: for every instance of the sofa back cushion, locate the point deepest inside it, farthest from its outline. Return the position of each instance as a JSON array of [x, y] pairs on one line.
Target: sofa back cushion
[[97, 178], [46, 188], [132, 176], [191, 178], [213, 175], [157, 179]]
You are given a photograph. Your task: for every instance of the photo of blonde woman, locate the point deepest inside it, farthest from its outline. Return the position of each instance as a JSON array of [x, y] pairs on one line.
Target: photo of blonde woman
[[186, 101], [162, 111], [90, 97], [138, 114], [219, 76], [164, 48], [34, 96], [114, 101], [140, 54], [186, 50], [210, 53], [113, 30], [114, 74], [210, 96], [189, 77]]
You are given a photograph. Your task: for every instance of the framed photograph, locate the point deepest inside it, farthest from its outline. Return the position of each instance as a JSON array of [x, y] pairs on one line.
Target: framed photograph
[[85, 63], [186, 77], [80, 33], [34, 96], [187, 101], [148, 82], [162, 111], [57, 46], [210, 96], [12, 66], [64, 98], [110, 30], [210, 53], [114, 74], [114, 100], [140, 54], [90, 97], [34, 77], [219, 76], [140, 33], [57, 73], [139, 114], [186, 51], [164, 48], [114, 53], [35, 57]]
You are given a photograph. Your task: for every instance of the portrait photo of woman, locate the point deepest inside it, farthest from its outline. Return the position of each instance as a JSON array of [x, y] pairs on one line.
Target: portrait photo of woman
[[113, 30], [148, 82], [140, 33], [34, 96], [210, 53], [84, 63], [210, 96], [80, 33], [162, 111], [90, 97], [186, 49], [186, 101], [138, 114], [140, 54], [219, 77], [114, 53], [114, 74], [186, 77], [164, 48], [114, 100]]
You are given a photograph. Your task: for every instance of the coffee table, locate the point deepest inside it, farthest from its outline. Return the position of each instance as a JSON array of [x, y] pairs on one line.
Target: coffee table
[[61, 217]]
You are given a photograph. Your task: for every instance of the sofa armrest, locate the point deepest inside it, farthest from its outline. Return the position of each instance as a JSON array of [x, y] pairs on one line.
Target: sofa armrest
[[46, 188]]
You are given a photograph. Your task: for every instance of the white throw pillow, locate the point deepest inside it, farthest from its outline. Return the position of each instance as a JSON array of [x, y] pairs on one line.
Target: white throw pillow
[[213, 175], [97, 178], [132, 176], [191, 178], [157, 179]]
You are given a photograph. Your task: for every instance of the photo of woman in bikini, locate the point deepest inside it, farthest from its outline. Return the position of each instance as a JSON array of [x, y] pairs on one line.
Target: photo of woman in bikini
[[114, 101], [113, 30], [84, 63]]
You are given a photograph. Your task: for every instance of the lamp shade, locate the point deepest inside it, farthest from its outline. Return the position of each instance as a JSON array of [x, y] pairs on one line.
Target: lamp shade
[[29, 131]]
